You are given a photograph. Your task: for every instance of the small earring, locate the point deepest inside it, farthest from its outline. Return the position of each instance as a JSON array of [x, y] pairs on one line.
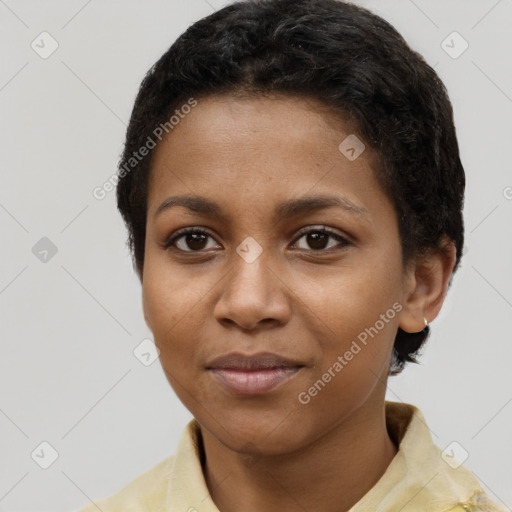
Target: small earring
[[426, 322]]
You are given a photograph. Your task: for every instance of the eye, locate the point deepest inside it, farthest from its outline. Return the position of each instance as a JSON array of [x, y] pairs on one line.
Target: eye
[[196, 240], [190, 240], [318, 239]]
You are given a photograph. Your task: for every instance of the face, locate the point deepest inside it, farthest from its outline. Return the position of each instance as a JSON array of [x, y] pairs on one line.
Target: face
[[273, 275]]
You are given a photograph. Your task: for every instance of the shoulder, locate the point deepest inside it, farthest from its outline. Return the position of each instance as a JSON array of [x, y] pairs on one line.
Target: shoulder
[[478, 502], [146, 492], [422, 476], [171, 484]]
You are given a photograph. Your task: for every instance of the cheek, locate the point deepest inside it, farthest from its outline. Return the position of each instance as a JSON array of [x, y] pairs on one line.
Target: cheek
[[171, 301], [351, 315], [349, 299], [171, 304]]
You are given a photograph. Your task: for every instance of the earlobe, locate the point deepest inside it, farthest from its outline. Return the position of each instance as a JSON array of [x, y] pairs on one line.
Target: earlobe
[[426, 286]]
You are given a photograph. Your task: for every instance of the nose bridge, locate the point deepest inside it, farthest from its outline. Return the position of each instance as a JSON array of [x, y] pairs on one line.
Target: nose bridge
[[252, 291], [251, 271]]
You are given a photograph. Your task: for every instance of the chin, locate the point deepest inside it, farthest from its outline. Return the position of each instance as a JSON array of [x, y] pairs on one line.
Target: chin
[[261, 433]]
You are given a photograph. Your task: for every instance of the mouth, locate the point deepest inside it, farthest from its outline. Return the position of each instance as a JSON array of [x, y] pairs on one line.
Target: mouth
[[253, 375]]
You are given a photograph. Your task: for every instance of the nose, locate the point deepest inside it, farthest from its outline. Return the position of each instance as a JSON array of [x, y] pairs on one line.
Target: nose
[[254, 296]]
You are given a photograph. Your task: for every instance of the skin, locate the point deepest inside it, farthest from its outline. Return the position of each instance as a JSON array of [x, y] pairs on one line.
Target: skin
[[249, 154]]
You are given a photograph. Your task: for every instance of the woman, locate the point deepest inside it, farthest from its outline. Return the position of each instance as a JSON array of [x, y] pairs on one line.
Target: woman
[[293, 192]]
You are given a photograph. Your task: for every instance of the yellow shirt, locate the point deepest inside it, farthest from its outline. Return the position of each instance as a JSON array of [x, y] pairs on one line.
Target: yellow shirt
[[418, 479]]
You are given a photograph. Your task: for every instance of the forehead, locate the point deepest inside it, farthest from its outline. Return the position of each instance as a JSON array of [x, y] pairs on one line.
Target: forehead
[[262, 150]]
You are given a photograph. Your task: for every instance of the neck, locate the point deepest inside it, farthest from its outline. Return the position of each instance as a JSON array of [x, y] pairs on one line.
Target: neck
[[330, 475]]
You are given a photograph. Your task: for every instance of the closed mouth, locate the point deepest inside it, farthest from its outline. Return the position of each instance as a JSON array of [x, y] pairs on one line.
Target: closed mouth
[[252, 374], [262, 361]]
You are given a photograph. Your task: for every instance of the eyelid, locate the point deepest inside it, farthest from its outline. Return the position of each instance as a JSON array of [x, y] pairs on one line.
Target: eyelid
[[322, 228], [169, 241]]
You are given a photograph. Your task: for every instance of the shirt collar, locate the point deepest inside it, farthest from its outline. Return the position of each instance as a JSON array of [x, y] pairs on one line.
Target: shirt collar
[[419, 477]]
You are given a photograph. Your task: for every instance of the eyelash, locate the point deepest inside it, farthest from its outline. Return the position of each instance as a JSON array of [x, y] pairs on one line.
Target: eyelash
[[185, 231]]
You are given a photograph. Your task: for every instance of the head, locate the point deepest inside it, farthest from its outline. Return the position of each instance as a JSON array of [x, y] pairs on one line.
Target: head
[[260, 108]]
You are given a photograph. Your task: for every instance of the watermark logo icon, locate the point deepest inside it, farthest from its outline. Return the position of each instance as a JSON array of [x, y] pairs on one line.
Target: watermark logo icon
[[44, 455], [351, 147], [249, 250], [44, 250], [454, 455], [146, 352], [44, 45], [454, 45]]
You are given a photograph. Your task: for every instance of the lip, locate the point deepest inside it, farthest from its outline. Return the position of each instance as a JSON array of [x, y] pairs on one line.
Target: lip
[[253, 374]]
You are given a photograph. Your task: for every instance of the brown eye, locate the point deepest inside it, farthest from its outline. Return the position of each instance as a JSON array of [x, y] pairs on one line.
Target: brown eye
[[318, 239], [190, 240]]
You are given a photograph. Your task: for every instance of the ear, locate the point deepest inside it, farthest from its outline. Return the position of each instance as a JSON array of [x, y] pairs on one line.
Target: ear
[[425, 286]]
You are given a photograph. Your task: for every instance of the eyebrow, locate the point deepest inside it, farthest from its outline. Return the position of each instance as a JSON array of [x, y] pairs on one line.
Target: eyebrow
[[291, 208]]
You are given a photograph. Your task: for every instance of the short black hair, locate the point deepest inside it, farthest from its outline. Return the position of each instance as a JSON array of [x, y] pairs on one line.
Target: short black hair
[[352, 61]]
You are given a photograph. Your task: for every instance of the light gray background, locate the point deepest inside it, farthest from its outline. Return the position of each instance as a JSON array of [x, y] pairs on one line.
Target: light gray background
[[68, 375]]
